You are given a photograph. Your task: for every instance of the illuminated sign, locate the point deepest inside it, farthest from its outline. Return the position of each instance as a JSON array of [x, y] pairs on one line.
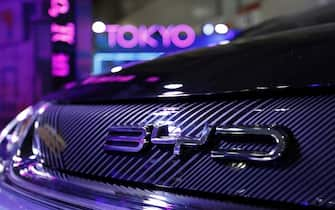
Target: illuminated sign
[[62, 37], [60, 65], [117, 45], [100, 58], [58, 7], [129, 36], [63, 33]]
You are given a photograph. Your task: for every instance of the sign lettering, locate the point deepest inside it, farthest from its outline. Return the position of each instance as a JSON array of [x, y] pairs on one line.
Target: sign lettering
[[129, 36]]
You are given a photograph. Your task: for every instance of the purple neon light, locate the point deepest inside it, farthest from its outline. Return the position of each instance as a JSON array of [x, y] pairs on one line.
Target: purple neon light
[[183, 43], [143, 36], [60, 65], [58, 7], [165, 33], [152, 79], [127, 43], [60, 61], [70, 85], [111, 79], [111, 30], [63, 33]]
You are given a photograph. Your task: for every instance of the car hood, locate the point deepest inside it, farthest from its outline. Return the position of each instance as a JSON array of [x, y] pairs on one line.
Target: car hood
[[281, 62]]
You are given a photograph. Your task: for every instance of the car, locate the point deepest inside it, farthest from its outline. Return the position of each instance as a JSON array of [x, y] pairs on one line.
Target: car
[[248, 125]]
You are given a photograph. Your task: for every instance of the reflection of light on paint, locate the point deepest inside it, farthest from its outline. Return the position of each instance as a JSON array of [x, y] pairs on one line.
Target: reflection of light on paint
[[2, 167], [224, 42], [70, 85], [166, 111], [258, 110], [23, 172], [6, 131], [42, 109], [152, 79], [211, 45], [156, 202], [262, 88], [236, 129], [116, 69], [98, 27], [99, 58], [239, 165], [173, 94], [173, 86], [208, 29], [221, 28], [111, 79], [32, 157], [14, 139], [36, 124], [159, 197], [17, 159], [34, 171], [282, 86], [151, 208], [314, 85], [281, 110], [35, 150], [24, 114], [173, 130]]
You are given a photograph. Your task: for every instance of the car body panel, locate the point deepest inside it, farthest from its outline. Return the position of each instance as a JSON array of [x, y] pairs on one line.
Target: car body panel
[[279, 63], [303, 176], [279, 80]]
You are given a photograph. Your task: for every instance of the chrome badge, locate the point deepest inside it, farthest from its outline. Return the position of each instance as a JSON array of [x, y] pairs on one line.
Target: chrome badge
[[160, 128], [134, 139], [126, 139]]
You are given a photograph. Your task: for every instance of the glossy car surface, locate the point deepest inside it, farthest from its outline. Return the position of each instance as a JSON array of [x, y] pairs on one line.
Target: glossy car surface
[[249, 125]]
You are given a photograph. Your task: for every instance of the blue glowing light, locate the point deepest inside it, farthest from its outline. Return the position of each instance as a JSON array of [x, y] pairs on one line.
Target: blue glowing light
[[101, 57]]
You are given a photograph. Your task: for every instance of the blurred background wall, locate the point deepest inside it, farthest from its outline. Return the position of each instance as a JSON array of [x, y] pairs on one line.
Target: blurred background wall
[[26, 52], [238, 13], [18, 86]]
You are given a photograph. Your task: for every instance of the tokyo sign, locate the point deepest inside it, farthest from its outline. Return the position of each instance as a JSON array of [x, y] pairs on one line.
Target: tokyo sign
[[130, 36]]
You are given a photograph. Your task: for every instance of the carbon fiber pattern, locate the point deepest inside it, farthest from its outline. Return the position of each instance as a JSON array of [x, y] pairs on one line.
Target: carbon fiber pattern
[[309, 180]]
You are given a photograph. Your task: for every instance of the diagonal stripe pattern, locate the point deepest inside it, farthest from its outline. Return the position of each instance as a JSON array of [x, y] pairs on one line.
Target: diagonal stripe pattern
[[306, 179]]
